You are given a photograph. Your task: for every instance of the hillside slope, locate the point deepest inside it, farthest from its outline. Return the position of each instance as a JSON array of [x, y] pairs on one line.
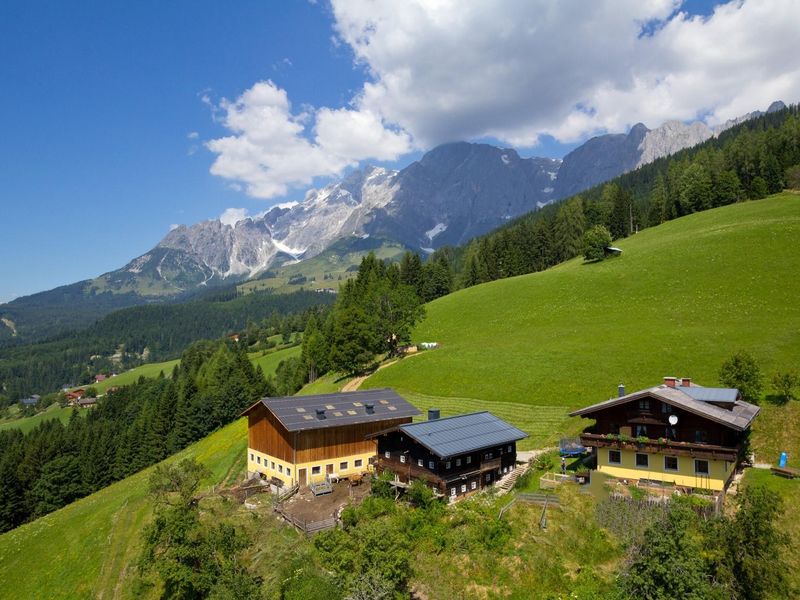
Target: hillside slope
[[682, 297]]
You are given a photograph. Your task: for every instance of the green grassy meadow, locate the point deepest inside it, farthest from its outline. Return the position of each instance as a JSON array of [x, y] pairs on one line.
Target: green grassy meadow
[[270, 361], [54, 411], [682, 297], [88, 549], [148, 371]]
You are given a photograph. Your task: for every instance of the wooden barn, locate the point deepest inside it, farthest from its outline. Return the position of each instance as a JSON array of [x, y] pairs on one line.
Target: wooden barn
[[456, 456], [304, 439]]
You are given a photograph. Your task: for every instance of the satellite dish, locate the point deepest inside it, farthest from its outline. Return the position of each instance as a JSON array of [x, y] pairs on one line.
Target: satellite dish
[[673, 419]]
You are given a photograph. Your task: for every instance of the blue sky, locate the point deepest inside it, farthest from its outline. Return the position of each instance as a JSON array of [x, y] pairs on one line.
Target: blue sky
[[106, 107]]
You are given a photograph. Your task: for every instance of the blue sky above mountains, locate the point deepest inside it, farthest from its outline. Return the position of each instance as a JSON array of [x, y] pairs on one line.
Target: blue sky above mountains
[[118, 119]]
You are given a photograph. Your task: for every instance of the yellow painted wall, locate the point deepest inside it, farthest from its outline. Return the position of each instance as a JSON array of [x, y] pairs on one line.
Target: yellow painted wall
[[289, 473], [719, 470]]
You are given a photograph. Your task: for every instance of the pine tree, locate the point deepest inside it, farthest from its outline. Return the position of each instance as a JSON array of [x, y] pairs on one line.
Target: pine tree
[[569, 227]]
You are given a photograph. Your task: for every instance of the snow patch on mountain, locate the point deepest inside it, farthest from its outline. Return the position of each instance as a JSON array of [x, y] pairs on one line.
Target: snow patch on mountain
[[432, 233]]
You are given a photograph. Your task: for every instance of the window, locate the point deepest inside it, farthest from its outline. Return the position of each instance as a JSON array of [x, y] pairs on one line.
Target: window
[[670, 463], [463, 488], [252, 458], [700, 436], [431, 465], [420, 462], [258, 460], [488, 456], [357, 463], [666, 408], [701, 467], [614, 457], [473, 485], [272, 465], [452, 491], [642, 460], [511, 448], [387, 454], [343, 466], [402, 458], [280, 468], [468, 459], [288, 471], [447, 465], [644, 404], [458, 462], [315, 470], [641, 430], [488, 477]]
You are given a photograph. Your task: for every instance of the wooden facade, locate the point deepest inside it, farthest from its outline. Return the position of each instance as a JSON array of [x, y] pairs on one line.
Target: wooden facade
[[310, 455], [454, 476]]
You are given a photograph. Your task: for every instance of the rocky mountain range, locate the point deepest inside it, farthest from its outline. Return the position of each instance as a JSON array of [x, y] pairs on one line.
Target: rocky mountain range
[[453, 193]]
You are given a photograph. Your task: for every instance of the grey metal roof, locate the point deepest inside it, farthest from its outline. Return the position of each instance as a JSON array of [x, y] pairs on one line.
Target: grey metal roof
[[710, 394], [299, 413], [739, 417], [451, 436]]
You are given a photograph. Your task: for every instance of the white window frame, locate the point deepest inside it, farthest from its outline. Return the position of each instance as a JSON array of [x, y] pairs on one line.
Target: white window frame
[[677, 464], [431, 465], [707, 472], [458, 462], [511, 448], [357, 463], [258, 460], [453, 492], [463, 488], [288, 471], [387, 454], [343, 468], [473, 485], [280, 468], [488, 477], [636, 460], [469, 459], [420, 462], [316, 470], [612, 462], [252, 457], [447, 465], [403, 458]]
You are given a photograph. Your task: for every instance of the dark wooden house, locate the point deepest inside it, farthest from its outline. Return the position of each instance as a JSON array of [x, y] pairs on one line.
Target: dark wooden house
[[304, 439], [679, 432], [454, 455]]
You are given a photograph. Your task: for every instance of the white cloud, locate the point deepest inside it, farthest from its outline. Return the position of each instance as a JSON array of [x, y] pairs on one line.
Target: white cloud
[[516, 69], [231, 216], [192, 135], [512, 70], [271, 150]]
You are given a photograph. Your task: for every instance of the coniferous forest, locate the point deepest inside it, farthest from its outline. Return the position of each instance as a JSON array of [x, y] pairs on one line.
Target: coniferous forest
[[129, 429]]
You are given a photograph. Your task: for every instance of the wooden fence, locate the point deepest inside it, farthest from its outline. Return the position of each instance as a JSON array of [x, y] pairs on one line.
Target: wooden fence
[[307, 527]]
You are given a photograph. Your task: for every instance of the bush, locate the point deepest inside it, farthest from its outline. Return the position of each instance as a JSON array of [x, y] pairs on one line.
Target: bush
[[792, 177], [741, 371], [785, 383], [595, 241]]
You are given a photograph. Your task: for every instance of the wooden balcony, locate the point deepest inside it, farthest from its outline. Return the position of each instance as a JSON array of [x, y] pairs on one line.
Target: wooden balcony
[[661, 446], [491, 465], [408, 471]]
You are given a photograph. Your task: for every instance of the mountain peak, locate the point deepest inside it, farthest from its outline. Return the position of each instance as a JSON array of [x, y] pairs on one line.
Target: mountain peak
[[776, 106]]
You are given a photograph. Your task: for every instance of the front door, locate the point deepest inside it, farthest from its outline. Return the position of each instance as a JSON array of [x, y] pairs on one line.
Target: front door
[[301, 474], [329, 469]]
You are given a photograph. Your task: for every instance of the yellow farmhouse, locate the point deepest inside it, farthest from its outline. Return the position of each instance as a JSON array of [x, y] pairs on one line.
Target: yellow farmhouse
[[678, 432], [308, 439]]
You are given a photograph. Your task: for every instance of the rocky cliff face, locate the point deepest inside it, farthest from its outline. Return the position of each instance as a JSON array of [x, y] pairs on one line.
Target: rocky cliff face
[[453, 193]]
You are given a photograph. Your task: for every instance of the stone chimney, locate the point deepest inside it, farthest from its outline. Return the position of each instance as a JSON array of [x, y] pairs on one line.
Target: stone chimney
[[686, 381], [671, 382]]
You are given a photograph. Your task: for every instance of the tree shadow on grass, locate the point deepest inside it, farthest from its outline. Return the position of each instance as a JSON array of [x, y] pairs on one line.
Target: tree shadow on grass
[[776, 400]]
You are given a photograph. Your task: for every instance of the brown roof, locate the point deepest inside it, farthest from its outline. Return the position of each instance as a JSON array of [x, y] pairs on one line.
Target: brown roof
[[739, 417]]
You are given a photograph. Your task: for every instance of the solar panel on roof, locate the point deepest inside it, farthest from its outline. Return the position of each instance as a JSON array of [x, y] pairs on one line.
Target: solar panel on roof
[[300, 409]]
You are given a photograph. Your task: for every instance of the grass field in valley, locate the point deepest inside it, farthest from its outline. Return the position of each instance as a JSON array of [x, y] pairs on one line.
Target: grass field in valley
[[682, 297], [25, 424]]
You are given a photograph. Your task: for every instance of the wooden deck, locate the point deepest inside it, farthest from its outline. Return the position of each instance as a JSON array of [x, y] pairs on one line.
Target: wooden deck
[[788, 472]]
